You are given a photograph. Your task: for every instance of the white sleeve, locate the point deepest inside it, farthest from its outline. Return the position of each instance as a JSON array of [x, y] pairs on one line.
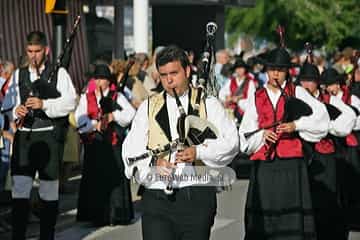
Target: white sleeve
[[224, 91], [243, 103], [355, 102], [220, 151], [124, 116], [63, 105], [314, 127], [343, 124], [248, 124], [13, 95], [136, 140], [84, 123]]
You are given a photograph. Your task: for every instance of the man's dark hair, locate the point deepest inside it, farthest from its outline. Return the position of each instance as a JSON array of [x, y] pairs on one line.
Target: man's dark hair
[[36, 38], [170, 54]]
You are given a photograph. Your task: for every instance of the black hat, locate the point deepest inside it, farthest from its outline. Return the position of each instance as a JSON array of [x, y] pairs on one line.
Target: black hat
[[309, 72], [279, 57], [102, 71], [331, 76], [259, 59], [238, 64]]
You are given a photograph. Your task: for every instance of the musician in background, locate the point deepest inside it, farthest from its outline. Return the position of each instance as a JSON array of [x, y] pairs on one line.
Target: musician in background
[[102, 117], [234, 94], [40, 112], [8, 128], [325, 159], [350, 174], [187, 213], [278, 200]]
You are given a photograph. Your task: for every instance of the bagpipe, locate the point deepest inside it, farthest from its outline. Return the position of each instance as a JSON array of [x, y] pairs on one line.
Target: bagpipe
[[109, 130], [206, 80], [196, 129], [47, 89], [294, 109]]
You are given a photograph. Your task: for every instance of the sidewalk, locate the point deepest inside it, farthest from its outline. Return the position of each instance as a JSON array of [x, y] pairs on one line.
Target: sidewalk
[[68, 202]]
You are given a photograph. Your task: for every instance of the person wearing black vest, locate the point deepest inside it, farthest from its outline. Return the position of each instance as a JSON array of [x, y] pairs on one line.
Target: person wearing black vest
[[40, 111], [188, 211], [102, 116], [278, 202], [325, 159]]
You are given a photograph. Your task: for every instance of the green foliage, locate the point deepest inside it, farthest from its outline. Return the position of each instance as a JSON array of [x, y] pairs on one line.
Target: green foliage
[[322, 22]]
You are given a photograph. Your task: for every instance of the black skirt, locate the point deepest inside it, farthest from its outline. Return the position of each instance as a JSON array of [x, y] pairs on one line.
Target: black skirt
[[350, 179], [279, 202], [324, 185], [104, 196]]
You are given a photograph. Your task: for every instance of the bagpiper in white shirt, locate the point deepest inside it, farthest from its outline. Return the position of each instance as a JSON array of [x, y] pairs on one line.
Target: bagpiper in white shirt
[[41, 106], [154, 126]]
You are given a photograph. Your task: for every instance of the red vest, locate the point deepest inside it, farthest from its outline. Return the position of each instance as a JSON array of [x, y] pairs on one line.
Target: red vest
[[94, 113], [326, 145], [351, 139], [288, 145], [4, 89], [233, 87]]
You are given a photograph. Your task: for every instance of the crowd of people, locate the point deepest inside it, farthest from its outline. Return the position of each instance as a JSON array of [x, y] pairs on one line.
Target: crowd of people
[[296, 117]]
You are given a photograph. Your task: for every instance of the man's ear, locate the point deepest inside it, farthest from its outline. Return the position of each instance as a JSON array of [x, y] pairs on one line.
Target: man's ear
[[47, 51]]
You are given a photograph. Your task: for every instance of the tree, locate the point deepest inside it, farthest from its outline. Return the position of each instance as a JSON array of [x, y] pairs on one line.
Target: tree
[[324, 23]]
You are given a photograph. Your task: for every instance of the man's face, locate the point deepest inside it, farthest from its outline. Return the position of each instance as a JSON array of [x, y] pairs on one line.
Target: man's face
[[276, 75], [223, 58], [174, 76], [333, 89], [309, 85], [36, 54]]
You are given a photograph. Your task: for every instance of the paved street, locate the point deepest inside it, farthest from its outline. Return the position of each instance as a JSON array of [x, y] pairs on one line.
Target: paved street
[[229, 222]]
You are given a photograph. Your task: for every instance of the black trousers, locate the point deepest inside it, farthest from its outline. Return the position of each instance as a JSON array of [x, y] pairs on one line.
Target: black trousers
[[187, 215]]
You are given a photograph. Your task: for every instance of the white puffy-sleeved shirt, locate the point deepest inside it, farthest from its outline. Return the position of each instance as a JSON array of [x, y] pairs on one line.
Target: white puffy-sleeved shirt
[[355, 102], [345, 122], [53, 108], [311, 128], [123, 117], [212, 152]]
